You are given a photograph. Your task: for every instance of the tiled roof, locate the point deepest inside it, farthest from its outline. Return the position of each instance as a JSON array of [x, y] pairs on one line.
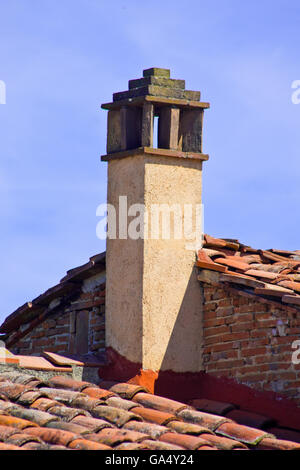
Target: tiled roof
[[274, 274], [52, 361], [270, 274], [69, 285], [63, 413]]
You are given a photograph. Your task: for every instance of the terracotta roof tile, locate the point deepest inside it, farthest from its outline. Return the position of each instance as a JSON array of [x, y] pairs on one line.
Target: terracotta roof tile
[[71, 427], [152, 430], [285, 434], [154, 416], [188, 428], [131, 446], [211, 406], [29, 397], [121, 403], [63, 396], [207, 448], [93, 424], [295, 286], [9, 447], [12, 391], [277, 444], [233, 263], [291, 299], [39, 363], [113, 436], [223, 443], [126, 390], [184, 440], [212, 266], [24, 379], [72, 419], [86, 403], [113, 415], [84, 444], [207, 420], [156, 445], [57, 447], [66, 413], [205, 255], [250, 419], [158, 403], [43, 404], [15, 422], [39, 417], [61, 360], [67, 383], [99, 393], [236, 278], [6, 406], [273, 270], [214, 242], [31, 445], [273, 291], [52, 436], [20, 439], [241, 433], [261, 274], [6, 431]]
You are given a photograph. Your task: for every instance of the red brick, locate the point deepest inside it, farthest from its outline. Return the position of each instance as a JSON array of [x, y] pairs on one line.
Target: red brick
[[292, 385], [64, 320], [253, 351], [216, 330], [254, 377], [275, 359], [246, 308], [253, 369], [213, 322], [237, 301], [242, 326], [219, 294], [224, 311], [210, 307], [41, 342], [282, 375], [225, 303], [62, 339], [254, 342], [218, 347], [284, 339], [263, 315], [258, 333], [266, 323], [226, 364], [293, 331], [234, 336], [232, 354]]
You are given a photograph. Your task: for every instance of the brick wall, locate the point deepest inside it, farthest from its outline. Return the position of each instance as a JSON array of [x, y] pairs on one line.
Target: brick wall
[[250, 340], [77, 328]]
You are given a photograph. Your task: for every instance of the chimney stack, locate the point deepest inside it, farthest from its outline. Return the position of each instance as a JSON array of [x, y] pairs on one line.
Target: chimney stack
[[153, 298]]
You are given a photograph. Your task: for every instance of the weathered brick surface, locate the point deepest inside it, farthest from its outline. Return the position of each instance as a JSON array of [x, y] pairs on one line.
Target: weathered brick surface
[[250, 341], [58, 333]]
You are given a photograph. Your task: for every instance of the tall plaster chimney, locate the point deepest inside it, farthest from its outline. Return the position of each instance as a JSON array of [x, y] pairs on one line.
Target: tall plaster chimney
[[153, 298]]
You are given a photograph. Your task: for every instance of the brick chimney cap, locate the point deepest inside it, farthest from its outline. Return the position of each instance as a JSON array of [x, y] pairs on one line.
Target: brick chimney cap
[[157, 72]]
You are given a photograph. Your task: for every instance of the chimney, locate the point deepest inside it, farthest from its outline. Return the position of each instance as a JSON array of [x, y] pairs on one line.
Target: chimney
[[153, 299]]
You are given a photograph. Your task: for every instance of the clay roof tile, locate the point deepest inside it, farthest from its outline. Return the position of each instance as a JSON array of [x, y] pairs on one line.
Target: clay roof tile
[[131, 419], [158, 403]]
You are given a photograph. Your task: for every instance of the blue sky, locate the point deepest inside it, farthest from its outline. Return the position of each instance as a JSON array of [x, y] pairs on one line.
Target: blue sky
[[61, 60]]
